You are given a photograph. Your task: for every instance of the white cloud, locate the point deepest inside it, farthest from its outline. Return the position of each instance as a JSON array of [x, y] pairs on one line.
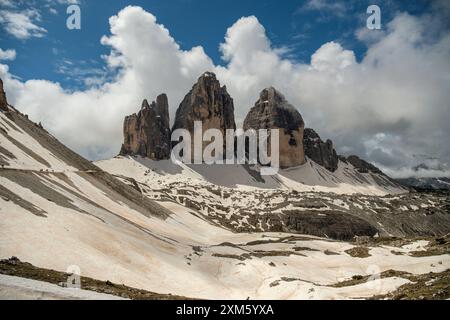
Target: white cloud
[[51, 3], [334, 6], [397, 98], [387, 107], [9, 54], [63, 2], [7, 3], [22, 25], [331, 57], [150, 62]]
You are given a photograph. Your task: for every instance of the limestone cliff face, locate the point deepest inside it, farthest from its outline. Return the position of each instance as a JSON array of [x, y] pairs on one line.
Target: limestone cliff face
[[3, 102], [147, 133], [209, 103], [272, 111], [320, 152]]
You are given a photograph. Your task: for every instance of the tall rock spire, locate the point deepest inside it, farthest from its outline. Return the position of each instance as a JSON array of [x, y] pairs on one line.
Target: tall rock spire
[[209, 103], [147, 133], [273, 111], [3, 102]]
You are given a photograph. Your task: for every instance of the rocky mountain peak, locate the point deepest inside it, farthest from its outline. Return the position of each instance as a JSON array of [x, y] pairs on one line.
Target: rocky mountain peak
[[320, 152], [273, 111], [162, 104], [147, 133], [3, 102], [209, 103], [276, 111], [145, 104], [271, 95], [361, 165]]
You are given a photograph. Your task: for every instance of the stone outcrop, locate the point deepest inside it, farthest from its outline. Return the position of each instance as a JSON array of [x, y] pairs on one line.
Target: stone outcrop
[[272, 111], [320, 152], [3, 102], [331, 224], [209, 103], [147, 133], [361, 165]]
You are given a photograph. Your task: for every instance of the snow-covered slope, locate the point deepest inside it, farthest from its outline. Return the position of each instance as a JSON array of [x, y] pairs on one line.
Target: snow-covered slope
[[308, 177], [15, 288], [238, 198], [57, 210]]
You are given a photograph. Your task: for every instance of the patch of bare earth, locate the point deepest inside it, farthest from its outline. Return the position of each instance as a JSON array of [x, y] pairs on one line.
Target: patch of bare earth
[[358, 252]]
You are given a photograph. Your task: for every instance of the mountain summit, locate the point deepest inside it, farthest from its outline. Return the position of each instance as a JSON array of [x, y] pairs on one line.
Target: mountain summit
[[273, 111], [208, 102], [148, 133]]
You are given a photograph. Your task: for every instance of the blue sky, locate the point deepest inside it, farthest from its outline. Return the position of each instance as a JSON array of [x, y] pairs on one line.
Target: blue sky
[[68, 56]]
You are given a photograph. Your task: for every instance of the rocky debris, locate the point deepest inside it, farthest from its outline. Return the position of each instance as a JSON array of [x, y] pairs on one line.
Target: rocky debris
[[332, 224], [361, 165], [273, 111], [320, 152], [379, 176], [208, 102], [337, 216], [358, 252], [429, 286], [147, 133], [3, 102]]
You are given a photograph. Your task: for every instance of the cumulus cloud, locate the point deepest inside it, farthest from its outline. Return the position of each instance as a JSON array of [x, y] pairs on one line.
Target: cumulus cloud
[[331, 57], [147, 60], [396, 100], [386, 108]]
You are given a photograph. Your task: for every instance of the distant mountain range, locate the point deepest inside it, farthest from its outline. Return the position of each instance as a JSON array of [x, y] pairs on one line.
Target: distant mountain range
[[426, 183]]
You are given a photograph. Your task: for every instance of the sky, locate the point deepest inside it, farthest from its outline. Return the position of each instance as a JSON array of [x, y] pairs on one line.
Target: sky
[[381, 94]]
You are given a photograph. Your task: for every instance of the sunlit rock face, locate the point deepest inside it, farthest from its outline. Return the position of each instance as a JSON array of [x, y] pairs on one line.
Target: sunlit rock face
[[273, 111], [209, 103], [147, 133]]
